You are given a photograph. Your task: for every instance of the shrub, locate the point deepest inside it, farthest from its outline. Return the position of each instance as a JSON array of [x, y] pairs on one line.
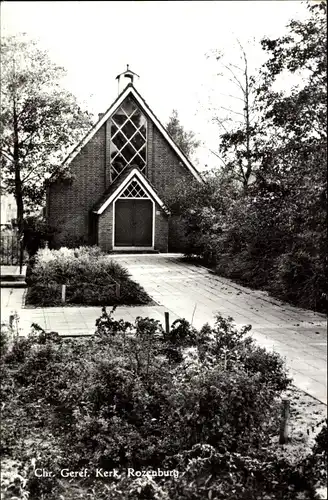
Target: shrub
[[117, 400], [307, 273], [268, 236], [89, 275], [108, 327], [36, 234], [226, 345], [4, 339], [19, 351], [270, 366], [181, 333]]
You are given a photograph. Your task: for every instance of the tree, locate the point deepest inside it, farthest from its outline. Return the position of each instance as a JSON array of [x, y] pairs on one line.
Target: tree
[[204, 208], [294, 156], [272, 235], [300, 115], [281, 222], [239, 126], [184, 139], [39, 121]]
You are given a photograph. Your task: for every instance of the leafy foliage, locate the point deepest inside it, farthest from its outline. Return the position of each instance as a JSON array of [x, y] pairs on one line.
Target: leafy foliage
[[39, 121], [272, 235], [184, 139], [37, 233], [90, 276], [204, 207], [118, 400]]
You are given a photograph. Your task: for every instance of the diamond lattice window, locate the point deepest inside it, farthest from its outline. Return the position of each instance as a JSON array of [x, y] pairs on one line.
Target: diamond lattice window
[[134, 190], [128, 138]]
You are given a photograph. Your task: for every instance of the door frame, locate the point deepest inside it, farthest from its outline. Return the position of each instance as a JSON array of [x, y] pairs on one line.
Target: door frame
[[153, 228]]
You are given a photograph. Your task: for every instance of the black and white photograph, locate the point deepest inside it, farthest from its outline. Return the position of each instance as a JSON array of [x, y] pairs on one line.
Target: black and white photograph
[[163, 250]]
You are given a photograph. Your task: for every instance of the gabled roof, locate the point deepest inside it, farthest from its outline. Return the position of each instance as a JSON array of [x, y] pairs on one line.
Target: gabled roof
[[130, 90], [112, 188], [116, 188]]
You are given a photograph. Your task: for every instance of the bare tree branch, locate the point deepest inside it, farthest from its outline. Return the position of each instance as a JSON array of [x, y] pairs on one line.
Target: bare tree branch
[[219, 157], [221, 122], [232, 111], [232, 96], [239, 139], [235, 79], [7, 155]]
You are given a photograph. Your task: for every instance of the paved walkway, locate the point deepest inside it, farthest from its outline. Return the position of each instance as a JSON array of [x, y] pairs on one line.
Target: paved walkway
[[68, 321], [192, 292], [9, 270]]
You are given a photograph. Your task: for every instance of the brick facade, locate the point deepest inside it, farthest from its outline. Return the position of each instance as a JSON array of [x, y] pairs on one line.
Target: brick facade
[[164, 166], [70, 204], [105, 229], [161, 230]]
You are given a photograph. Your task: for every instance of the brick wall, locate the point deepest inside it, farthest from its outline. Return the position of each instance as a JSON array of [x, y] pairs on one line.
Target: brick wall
[[165, 170], [177, 233], [69, 204], [105, 229], [161, 230]]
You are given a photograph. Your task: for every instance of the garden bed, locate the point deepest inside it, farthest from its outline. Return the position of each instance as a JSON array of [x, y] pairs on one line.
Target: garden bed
[[205, 404], [81, 276], [306, 414]]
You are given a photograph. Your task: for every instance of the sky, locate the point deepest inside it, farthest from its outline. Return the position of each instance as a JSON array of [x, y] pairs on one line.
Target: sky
[[166, 43]]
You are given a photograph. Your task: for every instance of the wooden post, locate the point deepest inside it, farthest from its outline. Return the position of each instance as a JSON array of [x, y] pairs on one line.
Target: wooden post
[[193, 313], [12, 250], [63, 293], [11, 321], [13, 331], [118, 290], [283, 437], [21, 253], [167, 322]]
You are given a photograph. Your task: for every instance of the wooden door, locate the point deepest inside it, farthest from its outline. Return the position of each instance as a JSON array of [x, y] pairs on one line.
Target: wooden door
[[133, 223]]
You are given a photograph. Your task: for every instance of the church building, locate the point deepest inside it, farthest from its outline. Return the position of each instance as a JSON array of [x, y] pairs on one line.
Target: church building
[[122, 172]]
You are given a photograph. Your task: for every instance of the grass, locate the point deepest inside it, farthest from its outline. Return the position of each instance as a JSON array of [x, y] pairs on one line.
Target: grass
[[90, 277]]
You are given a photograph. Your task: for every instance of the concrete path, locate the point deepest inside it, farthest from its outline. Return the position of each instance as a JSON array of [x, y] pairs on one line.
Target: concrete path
[[192, 292], [9, 270], [68, 321]]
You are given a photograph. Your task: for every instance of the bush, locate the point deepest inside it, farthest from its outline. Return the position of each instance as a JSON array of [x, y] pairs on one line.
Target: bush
[[269, 236], [226, 345], [307, 273], [36, 234], [117, 400], [89, 275]]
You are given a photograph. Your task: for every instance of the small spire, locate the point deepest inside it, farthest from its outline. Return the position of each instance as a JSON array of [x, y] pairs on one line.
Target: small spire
[[126, 74]]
